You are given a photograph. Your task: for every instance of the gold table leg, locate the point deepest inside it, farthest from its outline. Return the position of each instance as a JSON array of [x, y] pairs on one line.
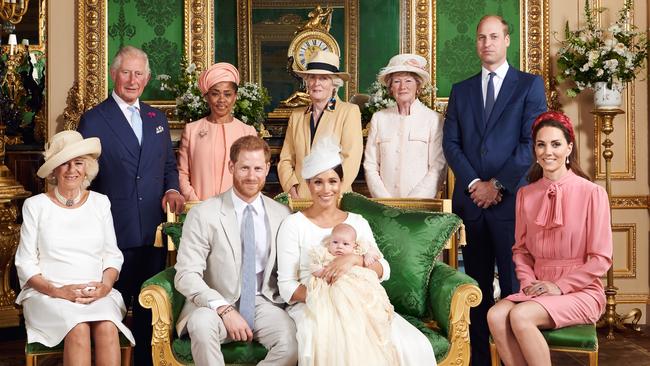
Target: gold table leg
[[610, 318]]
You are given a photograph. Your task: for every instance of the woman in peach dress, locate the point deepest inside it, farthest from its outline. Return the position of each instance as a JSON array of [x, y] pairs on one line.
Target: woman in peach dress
[[563, 245], [203, 153]]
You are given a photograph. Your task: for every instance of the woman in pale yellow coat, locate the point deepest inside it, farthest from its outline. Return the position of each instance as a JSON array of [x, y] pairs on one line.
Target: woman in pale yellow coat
[[203, 153], [326, 116]]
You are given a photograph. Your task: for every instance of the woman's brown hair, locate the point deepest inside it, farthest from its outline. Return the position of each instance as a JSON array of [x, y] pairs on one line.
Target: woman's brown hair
[[563, 123]]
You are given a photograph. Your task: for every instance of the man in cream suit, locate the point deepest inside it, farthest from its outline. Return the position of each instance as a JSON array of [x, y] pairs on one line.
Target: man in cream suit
[[226, 266]]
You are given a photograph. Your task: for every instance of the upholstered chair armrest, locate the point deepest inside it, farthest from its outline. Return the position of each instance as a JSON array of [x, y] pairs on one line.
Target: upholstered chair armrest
[[451, 295], [159, 295]]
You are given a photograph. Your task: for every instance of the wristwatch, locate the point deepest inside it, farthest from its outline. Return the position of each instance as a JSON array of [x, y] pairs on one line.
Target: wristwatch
[[497, 185]]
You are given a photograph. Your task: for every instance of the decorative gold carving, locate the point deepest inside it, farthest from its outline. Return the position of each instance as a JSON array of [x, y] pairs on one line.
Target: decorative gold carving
[[10, 190], [92, 60], [91, 55], [296, 4], [155, 298], [245, 31], [319, 19], [351, 46], [465, 297], [406, 26], [287, 19], [630, 250], [74, 108], [630, 202], [535, 39]]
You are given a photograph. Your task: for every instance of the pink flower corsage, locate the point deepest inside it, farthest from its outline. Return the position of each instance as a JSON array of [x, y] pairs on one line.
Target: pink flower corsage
[[151, 114]]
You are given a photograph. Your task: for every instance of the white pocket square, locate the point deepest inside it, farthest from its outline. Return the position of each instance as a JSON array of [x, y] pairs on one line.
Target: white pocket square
[[159, 129]]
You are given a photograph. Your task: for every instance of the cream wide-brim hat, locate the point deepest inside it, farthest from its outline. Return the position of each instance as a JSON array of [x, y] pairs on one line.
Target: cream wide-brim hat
[[323, 63], [65, 146], [405, 62]]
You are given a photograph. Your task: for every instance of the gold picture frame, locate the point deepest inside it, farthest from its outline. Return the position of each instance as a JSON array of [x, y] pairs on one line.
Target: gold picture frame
[[91, 84], [417, 35], [246, 45]]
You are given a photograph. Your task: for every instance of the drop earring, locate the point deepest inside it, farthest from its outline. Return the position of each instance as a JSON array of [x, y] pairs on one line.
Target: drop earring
[[567, 160]]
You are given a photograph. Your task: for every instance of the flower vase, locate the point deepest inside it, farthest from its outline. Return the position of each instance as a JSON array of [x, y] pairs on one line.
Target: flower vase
[[605, 98]]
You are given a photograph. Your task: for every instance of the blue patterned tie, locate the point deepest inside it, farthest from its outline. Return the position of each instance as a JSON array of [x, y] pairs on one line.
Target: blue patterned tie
[[489, 98], [136, 122], [249, 278]]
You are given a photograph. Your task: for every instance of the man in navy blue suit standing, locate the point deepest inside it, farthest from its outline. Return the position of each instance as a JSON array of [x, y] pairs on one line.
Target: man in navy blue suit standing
[[487, 143], [137, 171]]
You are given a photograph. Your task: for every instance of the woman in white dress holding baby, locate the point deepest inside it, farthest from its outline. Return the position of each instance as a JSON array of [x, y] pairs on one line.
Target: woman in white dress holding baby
[[303, 231]]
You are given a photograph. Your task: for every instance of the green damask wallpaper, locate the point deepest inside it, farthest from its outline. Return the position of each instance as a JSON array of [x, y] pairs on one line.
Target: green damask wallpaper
[[378, 38], [155, 27], [456, 57], [225, 25]]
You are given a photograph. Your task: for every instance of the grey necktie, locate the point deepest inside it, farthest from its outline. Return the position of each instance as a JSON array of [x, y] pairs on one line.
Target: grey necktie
[[489, 98], [248, 287], [136, 122]]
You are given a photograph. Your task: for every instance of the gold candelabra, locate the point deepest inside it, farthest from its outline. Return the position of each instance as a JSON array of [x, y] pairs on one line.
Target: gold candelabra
[[611, 319], [13, 10]]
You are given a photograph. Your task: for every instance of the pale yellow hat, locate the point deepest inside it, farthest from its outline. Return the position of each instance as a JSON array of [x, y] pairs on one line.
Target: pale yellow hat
[[405, 62], [65, 146]]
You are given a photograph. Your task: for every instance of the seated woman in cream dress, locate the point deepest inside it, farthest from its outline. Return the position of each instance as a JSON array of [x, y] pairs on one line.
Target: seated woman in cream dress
[[203, 152], [301, 231], [68, 260], [347, 322], [404, 155]]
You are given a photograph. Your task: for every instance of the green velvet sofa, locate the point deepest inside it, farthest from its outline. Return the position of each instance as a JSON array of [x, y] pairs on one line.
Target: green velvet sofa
[[433, 296]]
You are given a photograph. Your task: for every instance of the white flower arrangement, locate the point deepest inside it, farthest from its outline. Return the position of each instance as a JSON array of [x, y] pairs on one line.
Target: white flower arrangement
[[380, 98], [589, 55]]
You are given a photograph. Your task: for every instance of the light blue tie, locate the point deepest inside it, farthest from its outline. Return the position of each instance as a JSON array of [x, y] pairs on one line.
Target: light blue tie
[[136, 122], [489, 98], [249, 278]]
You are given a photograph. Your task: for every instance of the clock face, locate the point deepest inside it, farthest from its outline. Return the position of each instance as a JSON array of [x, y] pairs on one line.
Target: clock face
[[307, 43], [308, 48]]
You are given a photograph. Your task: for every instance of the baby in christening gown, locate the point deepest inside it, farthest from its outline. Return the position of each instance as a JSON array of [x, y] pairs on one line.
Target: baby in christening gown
[[347, 322]]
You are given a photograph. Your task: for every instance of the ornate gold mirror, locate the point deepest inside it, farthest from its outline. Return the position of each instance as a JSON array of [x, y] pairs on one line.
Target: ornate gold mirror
[[24, 74]]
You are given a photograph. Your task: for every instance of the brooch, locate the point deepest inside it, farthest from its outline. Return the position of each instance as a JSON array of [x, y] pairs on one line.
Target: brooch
[[159, 129], [202, 133]]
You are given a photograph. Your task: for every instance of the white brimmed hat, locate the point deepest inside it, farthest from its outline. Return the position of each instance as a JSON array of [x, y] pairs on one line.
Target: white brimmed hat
[[405, 62], [324, 63], [65, 146], [324, 155]]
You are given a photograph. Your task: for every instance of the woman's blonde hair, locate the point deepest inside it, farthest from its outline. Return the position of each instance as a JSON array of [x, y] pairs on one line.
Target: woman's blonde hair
[[92, 169]]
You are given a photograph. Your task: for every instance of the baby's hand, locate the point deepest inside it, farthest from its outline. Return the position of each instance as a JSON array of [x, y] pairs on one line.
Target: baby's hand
[[370, 258]]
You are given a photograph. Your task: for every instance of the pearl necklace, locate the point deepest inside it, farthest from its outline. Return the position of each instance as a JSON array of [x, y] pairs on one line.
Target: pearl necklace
[[65, 201]]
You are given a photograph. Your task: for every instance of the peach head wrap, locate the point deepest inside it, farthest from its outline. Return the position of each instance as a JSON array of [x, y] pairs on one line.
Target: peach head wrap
[[221, 71]]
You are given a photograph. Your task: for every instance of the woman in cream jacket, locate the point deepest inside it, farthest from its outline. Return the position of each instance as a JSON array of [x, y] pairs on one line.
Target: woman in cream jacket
[[404, 155]]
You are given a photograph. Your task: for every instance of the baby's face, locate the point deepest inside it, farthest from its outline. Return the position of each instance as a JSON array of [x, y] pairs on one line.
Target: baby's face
[[342, 242]]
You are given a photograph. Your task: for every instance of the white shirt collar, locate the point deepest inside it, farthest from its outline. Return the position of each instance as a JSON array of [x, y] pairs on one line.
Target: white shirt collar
[[500, 72], [240, 204], [122, 104]]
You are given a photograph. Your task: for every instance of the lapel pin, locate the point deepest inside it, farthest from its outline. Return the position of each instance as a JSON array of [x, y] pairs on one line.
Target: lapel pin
[[159, 129]]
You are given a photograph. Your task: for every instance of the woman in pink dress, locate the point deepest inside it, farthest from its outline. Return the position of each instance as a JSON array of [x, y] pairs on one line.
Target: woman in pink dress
[[203, 153], [563, 245]]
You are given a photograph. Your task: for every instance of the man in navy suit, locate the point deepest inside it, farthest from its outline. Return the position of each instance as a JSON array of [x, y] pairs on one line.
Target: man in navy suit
[[137, 171], [487, 143]]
